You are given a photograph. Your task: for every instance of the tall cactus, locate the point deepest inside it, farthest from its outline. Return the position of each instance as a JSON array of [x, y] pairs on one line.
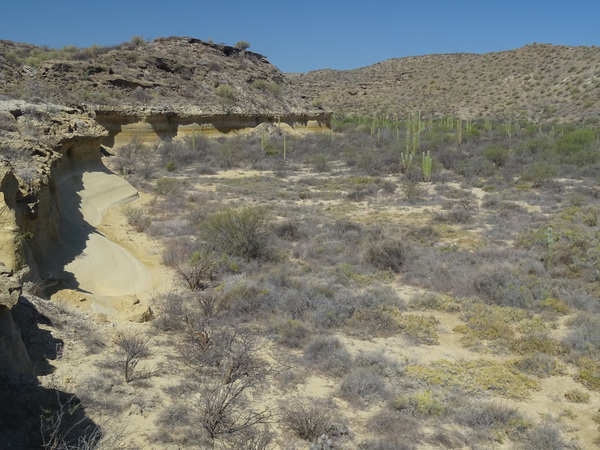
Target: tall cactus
[[427, 164], [405, 161], [459, 131]]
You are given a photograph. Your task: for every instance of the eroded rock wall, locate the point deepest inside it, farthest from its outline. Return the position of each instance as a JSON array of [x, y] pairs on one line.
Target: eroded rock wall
[[148, 127]]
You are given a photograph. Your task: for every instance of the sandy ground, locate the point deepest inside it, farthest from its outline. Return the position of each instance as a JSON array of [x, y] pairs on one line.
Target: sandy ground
[[115, 261], [119, 268]]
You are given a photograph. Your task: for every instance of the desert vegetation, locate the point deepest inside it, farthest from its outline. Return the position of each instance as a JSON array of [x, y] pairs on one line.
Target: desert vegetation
[[434, 298], [411, 279]]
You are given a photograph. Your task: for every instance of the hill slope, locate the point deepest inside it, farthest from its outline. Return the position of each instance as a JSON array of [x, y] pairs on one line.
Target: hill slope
[[539, 82], [168, 73]]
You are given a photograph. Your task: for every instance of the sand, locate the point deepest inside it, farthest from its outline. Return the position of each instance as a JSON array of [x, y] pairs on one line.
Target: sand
[[92, 261]]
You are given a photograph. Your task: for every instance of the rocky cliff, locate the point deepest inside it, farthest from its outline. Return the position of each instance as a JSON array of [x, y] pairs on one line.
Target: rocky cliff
[[61, 109]]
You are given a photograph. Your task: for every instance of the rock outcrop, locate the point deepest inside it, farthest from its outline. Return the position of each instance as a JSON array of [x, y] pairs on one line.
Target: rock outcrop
[[61, 109]]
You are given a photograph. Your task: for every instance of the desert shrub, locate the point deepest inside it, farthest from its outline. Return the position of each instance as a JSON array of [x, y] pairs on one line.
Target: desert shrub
[[306, 417], [394, 431], [546, 436], [422, 403], [584, 335], [291, 333], [345, 229], [589, 373], [426, 235], [319, 162], [435, 303], [362, 385], [500, 285], [224, 411], [196, 273], [577, 396], [487, 325], [475, 376], [328, 354], [223, 353], [456, 216], [182, 153], [131, 349], [337, 309], [65, 425], [413, 191], [420, 329], [381, 319], [289, 230], [377, 362], [492, 417], [496, 154], [578, 147], [240, 297], [136, 217], [538, 172], [360, 194], [240, 232], [167, 186], [539, 364], [226, 92], [388, 255], [135, 158], [242, 45], [170, 311], [536, 341], [391, 443], [556, 305]]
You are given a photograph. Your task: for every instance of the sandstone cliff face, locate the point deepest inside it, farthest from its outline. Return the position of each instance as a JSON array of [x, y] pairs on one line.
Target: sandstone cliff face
[[13, 355]]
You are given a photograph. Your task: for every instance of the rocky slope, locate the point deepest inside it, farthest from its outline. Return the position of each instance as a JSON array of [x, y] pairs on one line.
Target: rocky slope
[[538, 82]]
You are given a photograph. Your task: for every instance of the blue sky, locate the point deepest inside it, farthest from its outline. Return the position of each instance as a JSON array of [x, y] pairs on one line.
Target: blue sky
[[298, 36]]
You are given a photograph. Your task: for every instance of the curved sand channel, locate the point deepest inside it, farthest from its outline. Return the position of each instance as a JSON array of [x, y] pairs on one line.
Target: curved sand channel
[[89, 261]]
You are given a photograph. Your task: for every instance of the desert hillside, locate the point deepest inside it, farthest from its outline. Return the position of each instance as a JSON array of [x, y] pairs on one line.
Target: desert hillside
[[167, 73], [539, 82]]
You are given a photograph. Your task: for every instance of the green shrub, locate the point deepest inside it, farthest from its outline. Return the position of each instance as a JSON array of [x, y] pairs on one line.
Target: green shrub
[[421, 329], [166, 186], [475, 377], [538, 172], [579, 147], [422, 403], [496, 154], [240, 232], [242, 45], [226, 92]]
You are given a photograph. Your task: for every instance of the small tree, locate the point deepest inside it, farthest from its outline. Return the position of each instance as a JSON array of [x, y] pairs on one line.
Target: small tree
[[132, 348], [197, 273], [242, 45]]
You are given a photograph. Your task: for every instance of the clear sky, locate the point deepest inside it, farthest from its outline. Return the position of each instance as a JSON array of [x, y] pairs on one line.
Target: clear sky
[[298, 36]]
